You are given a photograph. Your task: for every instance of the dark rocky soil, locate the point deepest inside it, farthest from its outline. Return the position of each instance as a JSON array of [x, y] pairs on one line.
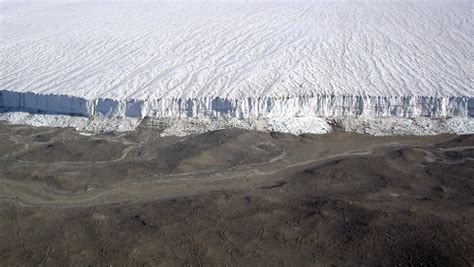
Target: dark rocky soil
[[234, 197]]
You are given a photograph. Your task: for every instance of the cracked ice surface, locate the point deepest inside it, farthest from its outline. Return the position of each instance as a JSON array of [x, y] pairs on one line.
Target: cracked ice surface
[[238, 59]]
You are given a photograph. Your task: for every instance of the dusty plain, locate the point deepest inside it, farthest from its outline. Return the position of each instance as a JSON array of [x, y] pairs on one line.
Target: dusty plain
[[234, 197]]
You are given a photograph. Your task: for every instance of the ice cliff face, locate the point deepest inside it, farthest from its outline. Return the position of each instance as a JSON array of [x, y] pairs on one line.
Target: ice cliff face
[[317, 105], [253, 59]]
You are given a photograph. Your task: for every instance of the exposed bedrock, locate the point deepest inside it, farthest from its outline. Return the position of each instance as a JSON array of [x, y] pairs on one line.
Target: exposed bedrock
[[249, 107]]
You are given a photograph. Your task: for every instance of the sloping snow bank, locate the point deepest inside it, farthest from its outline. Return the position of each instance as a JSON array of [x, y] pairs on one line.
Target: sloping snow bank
[[248, 107], [301, 125], [417, 126], [292, 125], [82, 124]]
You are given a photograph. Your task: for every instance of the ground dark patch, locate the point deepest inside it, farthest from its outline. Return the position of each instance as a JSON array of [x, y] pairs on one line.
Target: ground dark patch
[[73, 151], [397, 205]]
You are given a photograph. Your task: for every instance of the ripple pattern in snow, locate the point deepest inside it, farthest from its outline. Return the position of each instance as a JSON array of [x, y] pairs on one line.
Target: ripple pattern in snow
[[320, 58]]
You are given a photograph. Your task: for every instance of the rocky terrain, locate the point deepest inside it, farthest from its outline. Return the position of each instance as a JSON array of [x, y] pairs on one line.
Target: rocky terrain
[[234, 197]]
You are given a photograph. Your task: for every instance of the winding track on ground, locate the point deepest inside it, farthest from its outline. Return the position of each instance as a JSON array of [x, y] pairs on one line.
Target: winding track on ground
[[168, 186]]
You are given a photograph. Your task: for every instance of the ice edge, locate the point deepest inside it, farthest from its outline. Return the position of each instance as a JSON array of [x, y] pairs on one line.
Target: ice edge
[[248, 107]]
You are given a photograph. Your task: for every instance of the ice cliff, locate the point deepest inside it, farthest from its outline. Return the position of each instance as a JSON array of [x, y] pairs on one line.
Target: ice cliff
[[316, 105]]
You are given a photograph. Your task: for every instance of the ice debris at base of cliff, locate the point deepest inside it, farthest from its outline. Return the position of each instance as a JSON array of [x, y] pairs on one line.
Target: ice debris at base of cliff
[[416, 126], [292, 125], [82, 124]]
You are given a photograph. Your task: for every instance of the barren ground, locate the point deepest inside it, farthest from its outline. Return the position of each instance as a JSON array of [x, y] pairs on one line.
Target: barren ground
[[234, 197]]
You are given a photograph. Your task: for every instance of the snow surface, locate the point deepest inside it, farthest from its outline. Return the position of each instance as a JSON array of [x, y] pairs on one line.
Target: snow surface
[[235, 50], [238, 59]]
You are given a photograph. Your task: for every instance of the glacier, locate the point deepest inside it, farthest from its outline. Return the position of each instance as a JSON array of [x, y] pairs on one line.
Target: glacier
[[238, 59], [249, 107]]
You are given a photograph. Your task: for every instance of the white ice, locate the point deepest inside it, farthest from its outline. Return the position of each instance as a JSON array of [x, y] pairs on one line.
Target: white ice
[[244, 59]]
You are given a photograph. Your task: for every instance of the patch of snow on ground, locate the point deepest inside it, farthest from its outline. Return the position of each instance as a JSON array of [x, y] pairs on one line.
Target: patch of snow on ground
[[459, 125], [82, 124], [402, 126], [187, 126], [292, 125], [299, 125]]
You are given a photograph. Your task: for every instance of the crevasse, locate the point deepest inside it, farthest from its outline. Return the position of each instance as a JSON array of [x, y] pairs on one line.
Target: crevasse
[[249, 107]]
